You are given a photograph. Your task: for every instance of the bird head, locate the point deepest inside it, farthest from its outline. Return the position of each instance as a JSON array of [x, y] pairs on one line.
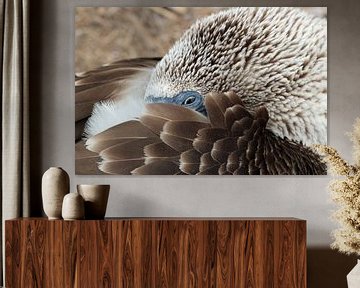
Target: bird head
[[272, 57]]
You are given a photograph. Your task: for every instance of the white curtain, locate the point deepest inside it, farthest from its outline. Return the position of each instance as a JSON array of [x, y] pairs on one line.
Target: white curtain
[[14, 27]]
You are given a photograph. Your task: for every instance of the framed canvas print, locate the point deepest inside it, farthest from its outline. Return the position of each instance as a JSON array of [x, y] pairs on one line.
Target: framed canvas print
[[200, 91]]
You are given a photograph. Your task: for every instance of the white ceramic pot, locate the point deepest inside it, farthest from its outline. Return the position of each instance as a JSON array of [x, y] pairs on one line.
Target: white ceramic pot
[[96, 198], [55, 185], [73, 207], [353, 278]]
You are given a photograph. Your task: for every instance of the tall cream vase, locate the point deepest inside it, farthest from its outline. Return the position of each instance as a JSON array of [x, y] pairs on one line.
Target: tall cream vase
[[55, 185]]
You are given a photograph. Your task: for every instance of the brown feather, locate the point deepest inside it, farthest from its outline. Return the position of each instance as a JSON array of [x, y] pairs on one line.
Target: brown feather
[[154, 123], [202, 146], [83, 110], [160, 150], [189, 168], [86, 161], [102, 145], [79, 129], [122, 167], [233, 161], [116, 70], [92, 92], [233, 98], [190, 162], [174, 112], [222, 148], [206, 137], [174, 159], [105, 76], [184, 129], [82, 152], [156, 115], [206, 162], [130, 129], [222, 170], [216, 116], [212, 134], [214, 170], [129, 150], [158, 168], [178, 143], [88, 166], [226, 144], [236, 113], [190, 156], [262, 113], [240, 127]]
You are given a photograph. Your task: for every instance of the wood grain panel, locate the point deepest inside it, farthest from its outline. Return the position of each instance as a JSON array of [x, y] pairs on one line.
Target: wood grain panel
[[33, 253], [12, 252], [301, 257], [55, 267], [162, 252], [127, 261], [71, 247], [224, 260], [96, 254]]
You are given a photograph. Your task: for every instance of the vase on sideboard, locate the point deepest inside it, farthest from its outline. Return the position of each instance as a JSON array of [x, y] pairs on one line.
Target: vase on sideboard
[[96, 198], [73, 207], [55, 185]]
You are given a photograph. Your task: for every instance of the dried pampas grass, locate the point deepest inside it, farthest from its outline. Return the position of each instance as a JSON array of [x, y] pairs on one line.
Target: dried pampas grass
[[345, 191]]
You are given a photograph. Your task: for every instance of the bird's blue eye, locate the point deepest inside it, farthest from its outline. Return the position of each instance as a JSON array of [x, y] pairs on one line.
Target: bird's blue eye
[[188, 101], [191, 99]]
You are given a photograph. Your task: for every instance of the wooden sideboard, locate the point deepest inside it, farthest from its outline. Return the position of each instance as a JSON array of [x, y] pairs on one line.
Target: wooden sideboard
[[156, 252]]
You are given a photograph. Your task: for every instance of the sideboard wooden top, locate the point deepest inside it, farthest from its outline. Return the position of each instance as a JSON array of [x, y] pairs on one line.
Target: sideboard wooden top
[[174, 219]]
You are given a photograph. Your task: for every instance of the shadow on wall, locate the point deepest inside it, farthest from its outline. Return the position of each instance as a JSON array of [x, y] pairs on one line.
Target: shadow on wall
[[328, 268], [36, 96]]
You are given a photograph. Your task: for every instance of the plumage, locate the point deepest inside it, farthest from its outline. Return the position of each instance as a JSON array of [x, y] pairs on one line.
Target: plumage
[[174, 112], [216, 115], [155, 116], [158, 168], [124, 167], [127, 151], [97, 91], [120, 133], [86, 161], [207, 162], [185, 129], [158, 150], [243, 91], [271, 57], [190, 162], [255, 150], [176, 142]]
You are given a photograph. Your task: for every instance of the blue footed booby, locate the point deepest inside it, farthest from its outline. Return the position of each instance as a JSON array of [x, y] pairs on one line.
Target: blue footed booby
[[243, 91]]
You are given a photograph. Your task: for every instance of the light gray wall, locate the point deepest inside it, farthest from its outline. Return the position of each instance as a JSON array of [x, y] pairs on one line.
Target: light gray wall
[[52, 136], [52, 93]]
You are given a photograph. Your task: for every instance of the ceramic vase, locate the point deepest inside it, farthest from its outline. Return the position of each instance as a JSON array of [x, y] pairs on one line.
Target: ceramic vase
[[55, 185], [73, 207], [353, 278], [96, 198]]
